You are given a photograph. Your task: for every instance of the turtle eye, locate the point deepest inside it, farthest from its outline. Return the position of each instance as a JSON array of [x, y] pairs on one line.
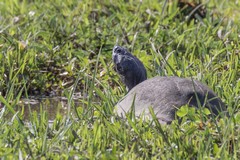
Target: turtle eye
[[118, 50]]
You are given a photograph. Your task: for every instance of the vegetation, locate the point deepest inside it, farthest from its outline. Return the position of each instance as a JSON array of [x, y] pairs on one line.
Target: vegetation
[[58, 48]]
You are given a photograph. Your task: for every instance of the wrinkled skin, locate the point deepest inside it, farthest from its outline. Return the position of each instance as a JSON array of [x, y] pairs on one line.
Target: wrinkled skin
[[164, 94]]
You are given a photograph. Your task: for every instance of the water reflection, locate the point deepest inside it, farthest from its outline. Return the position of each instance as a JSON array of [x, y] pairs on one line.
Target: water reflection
[[51, 105]]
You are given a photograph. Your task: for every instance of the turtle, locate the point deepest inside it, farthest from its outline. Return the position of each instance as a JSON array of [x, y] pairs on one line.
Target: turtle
[[165, 94]]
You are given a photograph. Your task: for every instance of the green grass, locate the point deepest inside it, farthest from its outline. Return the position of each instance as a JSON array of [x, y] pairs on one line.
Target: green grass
[[63, 47]]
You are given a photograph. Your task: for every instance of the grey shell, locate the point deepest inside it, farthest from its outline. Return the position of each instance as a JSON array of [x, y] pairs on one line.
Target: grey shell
[[165, 95]]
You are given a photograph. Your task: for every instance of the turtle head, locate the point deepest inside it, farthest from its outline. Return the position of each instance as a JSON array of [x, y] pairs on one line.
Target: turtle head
[[120, 56], [129, 67]]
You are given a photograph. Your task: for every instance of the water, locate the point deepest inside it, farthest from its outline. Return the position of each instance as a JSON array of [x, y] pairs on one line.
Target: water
[[51, 106]]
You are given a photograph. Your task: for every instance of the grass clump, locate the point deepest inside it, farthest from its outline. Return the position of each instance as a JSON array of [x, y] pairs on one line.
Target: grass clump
[[60, 48]]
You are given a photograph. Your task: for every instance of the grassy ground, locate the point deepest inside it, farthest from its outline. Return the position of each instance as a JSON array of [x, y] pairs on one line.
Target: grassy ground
[[58, 48]]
